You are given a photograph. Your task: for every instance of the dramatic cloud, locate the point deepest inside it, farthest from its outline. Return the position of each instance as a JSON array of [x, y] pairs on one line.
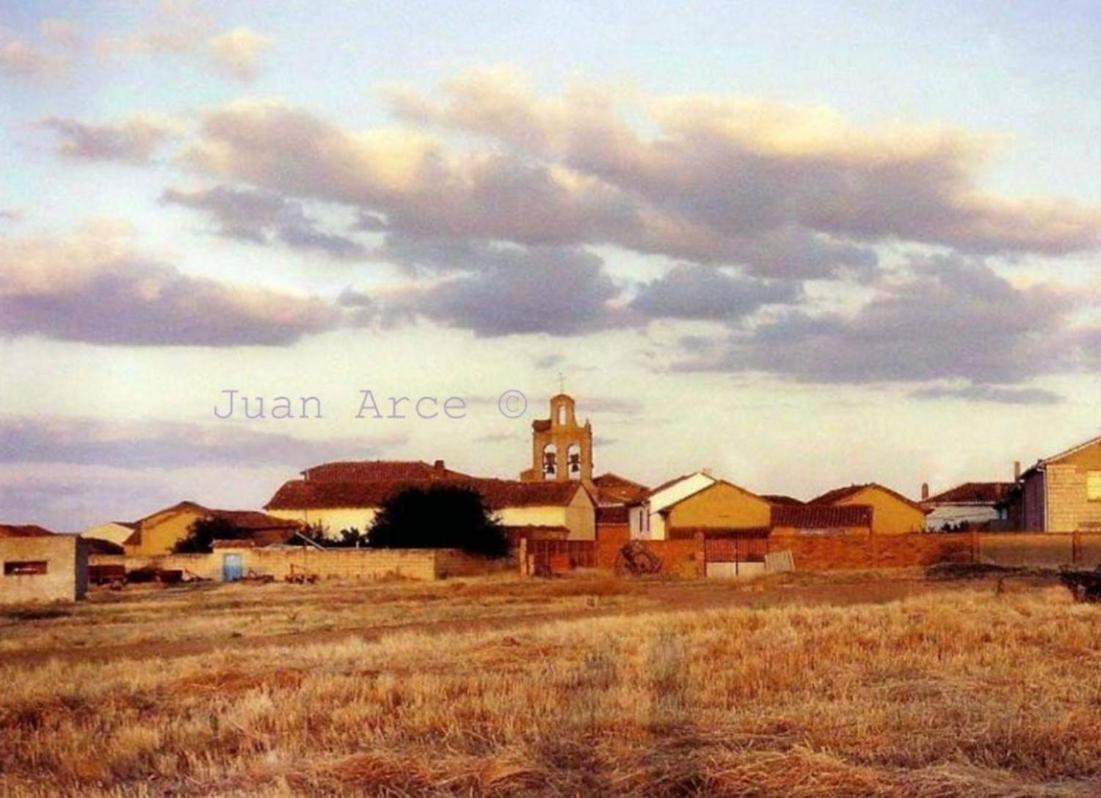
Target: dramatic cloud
[[532, 290], [701, 292], [130, 141], [784, 192], [261, 216], [95, 287], [237, 53], [952, 320], [726, 168]]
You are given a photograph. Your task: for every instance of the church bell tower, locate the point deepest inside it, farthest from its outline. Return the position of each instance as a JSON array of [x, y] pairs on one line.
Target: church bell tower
[[561, 449]]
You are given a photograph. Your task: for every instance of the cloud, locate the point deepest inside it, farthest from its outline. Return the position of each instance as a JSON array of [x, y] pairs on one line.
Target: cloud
[[168, 445], [49, 57], [952, 319], [721, 170], [236, 53], [131, 140], [992, 394], [179, 28], [94, 286], [262, 216], [702, 292], [514, 291]]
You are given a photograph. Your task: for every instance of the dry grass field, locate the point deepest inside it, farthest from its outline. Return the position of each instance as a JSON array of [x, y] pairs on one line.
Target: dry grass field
[[864, 684]]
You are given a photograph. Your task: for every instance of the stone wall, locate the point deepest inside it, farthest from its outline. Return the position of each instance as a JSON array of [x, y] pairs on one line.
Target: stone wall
[[66, 569], [422, 564]]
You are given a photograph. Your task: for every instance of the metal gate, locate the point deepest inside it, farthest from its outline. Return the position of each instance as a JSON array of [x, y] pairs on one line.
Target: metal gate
[[734, 555], [233, 567]]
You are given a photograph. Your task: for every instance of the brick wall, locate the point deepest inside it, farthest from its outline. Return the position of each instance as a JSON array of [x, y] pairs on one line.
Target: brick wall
[[66, 576], [678, 557], [423, 564], [865, 550]]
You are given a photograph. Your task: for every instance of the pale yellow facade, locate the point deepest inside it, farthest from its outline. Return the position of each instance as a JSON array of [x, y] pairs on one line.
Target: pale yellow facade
[[890, 514], [111, 532], [721, 505], [578, 516], [332, 520], [161, 532]]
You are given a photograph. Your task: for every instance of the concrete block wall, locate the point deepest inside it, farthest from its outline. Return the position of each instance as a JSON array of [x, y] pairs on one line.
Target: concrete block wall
[[1068, 509], [66, 577]]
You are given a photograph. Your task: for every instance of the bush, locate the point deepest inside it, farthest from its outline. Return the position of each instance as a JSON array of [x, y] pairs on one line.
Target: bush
[[202, 534], [443, 517]]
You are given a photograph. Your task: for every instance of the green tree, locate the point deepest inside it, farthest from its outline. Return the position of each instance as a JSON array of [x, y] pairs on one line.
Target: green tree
[[440, 517], [204, 531]]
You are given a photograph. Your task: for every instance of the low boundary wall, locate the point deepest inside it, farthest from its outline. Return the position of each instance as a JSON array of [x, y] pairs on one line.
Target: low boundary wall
[[422, 564]]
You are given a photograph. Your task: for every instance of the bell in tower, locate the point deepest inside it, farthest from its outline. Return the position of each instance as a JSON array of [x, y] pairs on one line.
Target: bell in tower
[[561, 448]]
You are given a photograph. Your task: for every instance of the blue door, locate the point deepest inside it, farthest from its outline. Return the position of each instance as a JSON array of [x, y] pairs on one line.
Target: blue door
[[233, 567]]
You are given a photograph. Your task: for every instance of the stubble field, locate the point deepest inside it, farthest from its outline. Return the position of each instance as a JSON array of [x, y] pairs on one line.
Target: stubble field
[[861, 684]]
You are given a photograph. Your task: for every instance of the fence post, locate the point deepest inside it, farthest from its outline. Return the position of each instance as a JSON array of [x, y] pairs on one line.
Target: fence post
[[701, 555], [523, 556]]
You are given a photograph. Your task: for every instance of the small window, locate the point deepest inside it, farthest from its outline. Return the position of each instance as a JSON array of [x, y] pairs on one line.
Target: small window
[[1093, 486], [24, 567]]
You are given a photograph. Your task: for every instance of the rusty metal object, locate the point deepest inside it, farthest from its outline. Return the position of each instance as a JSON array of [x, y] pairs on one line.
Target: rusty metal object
[[1084, 585], [634, 559]]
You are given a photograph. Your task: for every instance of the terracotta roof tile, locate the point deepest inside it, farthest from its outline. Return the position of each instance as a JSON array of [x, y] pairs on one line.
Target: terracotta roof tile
[[973, 493], [776, 498], [497, 493], [821, 516], [366, 470], [614, 489]]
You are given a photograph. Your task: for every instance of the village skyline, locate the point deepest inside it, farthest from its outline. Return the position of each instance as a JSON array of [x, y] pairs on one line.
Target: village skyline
[[799, 277]]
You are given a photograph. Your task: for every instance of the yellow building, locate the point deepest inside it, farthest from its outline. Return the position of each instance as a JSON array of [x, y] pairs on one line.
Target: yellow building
[[160, 532], [892, 513], [338, 505], [719, 507], [113, 532]]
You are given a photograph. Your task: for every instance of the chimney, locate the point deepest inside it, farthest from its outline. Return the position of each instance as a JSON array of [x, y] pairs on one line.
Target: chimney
[[438, 465], [924, 491], [706, 471], [1016, 470]]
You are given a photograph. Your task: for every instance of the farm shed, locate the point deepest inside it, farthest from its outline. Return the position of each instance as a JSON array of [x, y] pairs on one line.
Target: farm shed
[[42, 567]]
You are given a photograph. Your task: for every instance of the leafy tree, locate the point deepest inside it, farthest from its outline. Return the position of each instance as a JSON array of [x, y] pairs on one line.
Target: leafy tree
[[440, 517], [349, 539], [204, 531]]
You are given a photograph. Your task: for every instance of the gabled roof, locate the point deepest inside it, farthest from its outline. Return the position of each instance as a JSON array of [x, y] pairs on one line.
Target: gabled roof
[[1072, 450], [367, 470], [839, 494], [24, 531], [260, 525], [776, 498], [714, 483], [973, 493], [300, 494], [821, 516], [614, 489]]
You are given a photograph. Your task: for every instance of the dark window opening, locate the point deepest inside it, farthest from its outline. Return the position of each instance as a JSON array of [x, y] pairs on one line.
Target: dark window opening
[[20, 568]]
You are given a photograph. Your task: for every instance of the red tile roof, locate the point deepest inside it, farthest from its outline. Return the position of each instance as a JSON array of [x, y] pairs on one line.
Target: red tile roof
[[23, 531], [839, 494], [776, 498], [301, 494], [369, 470], [973, 493], [821, 516], [614, 489]]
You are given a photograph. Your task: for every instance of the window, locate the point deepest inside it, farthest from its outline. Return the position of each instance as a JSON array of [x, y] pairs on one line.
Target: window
[[23, 567], [1093, 486]]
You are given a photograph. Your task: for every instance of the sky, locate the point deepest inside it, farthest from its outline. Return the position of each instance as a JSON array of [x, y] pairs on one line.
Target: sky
[[802, 245]]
